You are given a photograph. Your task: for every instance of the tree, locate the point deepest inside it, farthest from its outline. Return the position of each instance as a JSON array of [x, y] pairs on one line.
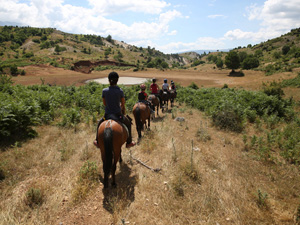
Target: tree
[[109, 39], [250, 62], [219, 63], [57, 49], [242, 56], [232, 61], [285, 49]]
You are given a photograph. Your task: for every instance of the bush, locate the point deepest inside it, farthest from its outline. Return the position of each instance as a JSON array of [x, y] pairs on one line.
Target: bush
[[228, 118], [285, 49], [250, 62], [273, 89], [193, 86]]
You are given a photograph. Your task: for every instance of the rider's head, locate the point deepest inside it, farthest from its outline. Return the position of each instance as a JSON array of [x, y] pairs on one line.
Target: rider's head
[[165, 80], [154, 80], [143, 87], [172, 82], [113, 78]]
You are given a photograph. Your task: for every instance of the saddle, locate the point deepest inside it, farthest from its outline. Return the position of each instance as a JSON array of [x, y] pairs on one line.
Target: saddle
[[108, 124]]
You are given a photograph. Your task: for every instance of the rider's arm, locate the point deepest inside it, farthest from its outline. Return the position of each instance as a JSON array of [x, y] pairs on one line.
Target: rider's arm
[[123, 106], [104, 102]]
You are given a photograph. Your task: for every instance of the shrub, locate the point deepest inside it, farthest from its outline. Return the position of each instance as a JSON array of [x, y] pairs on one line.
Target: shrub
[[71, 117], [193, 86], [250, 62], [34, 197], [89, 172], [228, 118], [273, 89], [290, 143], [295, 82], [285, 49], [262, 199]]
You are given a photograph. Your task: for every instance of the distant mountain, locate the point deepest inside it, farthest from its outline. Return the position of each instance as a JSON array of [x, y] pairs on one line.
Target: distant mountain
[[3, 23], [200, 52]]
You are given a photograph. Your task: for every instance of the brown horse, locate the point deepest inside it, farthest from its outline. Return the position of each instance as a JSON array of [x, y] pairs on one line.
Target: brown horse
[[173, 95], [141, 113], [165, 96], [111, 136], [155, 102]]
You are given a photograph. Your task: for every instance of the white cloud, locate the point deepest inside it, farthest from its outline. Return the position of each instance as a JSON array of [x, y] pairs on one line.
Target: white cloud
[[200, 43], [216, 16], [73, 19], [173, 32], [276, 16], [106, 7]]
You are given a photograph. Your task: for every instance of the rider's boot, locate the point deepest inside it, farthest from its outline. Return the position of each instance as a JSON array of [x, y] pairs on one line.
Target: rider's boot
[[96, 140], [129, 142]]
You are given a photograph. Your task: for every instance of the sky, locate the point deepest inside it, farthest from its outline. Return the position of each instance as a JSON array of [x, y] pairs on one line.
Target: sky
[[170, 26]]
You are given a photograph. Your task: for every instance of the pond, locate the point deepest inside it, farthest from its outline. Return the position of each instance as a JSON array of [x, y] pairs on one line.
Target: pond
[[122, 80]]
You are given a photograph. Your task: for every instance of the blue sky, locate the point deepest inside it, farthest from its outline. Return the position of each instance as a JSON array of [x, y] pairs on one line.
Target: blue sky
[[170, 26]]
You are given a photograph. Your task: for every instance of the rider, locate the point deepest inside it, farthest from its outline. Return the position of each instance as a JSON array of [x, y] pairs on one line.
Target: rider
[[154, 90], [114, 101], [173, 87], [143, 96], [165, 86]]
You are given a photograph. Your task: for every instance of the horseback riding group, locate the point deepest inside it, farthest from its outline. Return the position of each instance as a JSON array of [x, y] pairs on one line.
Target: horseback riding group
[[114, 129]]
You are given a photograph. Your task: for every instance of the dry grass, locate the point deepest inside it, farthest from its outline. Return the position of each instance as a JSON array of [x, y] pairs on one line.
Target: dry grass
[[207, 176], [217, 182]]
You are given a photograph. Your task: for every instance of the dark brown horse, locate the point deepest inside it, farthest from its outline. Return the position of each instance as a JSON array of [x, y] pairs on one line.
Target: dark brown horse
[[165, 96], [154, 101], [111, 136], [141, 114], [173, 95]]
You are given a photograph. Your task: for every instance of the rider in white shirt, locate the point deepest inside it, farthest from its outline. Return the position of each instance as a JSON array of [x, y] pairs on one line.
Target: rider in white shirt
[[165, 86]]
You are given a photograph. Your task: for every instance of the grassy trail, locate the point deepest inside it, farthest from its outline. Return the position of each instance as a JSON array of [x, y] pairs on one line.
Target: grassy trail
[[206, 177]]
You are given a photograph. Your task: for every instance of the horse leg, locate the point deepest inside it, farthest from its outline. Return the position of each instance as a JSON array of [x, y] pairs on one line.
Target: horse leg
[[113, 173], [139, 130], [120, 160]]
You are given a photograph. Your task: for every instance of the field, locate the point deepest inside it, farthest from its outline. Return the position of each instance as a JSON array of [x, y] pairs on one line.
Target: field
[[208, 175], [203, 76]]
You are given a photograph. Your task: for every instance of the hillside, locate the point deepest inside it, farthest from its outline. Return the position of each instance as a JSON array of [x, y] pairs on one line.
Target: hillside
[[21, 46], [27, 46]]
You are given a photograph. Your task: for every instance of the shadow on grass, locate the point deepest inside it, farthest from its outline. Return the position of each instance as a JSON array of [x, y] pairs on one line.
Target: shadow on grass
[[236, 74], [123, 195]]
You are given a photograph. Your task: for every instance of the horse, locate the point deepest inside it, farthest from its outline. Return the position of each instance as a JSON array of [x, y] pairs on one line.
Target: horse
[[165, 96], [111, 136], [155, 102], [173, 95], [141, 114]]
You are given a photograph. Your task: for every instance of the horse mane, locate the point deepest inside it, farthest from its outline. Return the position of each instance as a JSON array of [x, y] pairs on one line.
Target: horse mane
[[108, 146]]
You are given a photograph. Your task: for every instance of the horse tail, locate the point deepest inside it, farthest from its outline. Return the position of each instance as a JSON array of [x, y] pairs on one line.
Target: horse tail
[[138, 118], [108, 146]]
